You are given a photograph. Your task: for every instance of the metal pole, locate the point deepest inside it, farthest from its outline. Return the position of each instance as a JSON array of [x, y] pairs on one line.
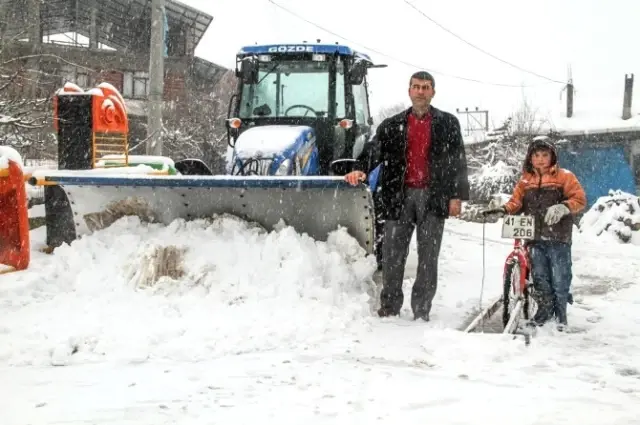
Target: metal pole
[[156, 78]]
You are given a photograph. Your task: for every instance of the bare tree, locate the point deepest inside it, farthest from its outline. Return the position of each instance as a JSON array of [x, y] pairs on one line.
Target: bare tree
[[198, 130], [390, 110], [526, 121], [496, 165], [26, 115]]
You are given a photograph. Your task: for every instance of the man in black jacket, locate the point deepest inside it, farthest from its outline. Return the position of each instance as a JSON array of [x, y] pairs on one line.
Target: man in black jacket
[[422, 182]]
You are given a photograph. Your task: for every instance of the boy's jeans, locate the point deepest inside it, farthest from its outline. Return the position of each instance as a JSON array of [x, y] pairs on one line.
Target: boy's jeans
[[551, 271]]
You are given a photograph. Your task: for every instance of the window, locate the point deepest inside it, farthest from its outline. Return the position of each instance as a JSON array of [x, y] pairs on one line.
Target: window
[[135, 84], [76, 75], [289, 88], [361, 105]]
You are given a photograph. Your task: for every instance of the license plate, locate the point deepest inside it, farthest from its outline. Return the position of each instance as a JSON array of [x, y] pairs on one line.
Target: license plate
[[518, 227]]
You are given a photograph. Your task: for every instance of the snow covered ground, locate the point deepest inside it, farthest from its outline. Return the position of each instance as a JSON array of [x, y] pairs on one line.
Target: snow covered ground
[[277, 328]]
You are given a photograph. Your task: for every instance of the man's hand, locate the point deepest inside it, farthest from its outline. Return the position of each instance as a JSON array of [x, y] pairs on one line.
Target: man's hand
[[455, 207], [555, 213], [355, 177]]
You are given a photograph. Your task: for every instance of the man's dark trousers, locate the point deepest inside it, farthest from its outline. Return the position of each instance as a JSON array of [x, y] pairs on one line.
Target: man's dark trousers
[[395, 248]]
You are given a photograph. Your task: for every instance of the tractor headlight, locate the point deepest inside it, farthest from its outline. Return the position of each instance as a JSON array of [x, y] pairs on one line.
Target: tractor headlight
[[283, 168]]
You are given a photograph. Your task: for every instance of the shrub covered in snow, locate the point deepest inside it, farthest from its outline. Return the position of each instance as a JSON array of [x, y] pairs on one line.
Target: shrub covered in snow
[[495, 167], [617, 214], [492, 179]]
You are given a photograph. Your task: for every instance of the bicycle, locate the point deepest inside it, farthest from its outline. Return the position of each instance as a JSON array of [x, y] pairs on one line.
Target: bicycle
[[517, 298], [517, 289]]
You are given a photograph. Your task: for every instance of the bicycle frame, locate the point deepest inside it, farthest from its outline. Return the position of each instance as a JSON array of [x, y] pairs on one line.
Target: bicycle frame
[[520, 254], [516, 296]]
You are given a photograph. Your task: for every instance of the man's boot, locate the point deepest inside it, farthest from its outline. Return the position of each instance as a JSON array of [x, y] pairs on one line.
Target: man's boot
[[390, 302], [386, 312]]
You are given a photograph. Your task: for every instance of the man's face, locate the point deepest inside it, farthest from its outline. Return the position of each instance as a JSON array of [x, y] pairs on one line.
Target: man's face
[[541, 159], [421, 92]]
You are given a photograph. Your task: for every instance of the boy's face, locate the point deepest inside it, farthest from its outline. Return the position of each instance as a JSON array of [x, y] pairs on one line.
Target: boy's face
[[541, 159]]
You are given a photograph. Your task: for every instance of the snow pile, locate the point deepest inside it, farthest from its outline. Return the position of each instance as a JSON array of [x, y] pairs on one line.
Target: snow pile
[[237, 289], [616, 215], [7, 154], [165, 162]]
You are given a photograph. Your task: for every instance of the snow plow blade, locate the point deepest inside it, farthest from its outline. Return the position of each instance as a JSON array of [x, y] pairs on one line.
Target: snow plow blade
[[78, 203]]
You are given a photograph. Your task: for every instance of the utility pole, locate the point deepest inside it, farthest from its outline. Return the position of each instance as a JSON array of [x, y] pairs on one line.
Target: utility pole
[[569, 88], [628, 93], [156, 79], [474, 120]]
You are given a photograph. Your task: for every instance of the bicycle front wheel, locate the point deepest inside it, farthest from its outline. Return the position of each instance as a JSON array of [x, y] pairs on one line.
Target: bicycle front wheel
[[510, 283]]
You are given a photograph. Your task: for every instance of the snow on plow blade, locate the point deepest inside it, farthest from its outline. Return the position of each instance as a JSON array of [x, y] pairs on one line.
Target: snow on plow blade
[[79, 203]]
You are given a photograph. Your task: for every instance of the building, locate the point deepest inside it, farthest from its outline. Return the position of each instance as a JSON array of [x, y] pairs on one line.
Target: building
[[600, 143], [89, 41]]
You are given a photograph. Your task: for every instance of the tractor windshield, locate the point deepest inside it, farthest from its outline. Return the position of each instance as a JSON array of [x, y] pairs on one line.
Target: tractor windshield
[[291, 88]]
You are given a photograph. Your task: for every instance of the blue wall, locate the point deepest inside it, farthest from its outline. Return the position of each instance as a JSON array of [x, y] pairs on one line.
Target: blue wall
[[599, 169]]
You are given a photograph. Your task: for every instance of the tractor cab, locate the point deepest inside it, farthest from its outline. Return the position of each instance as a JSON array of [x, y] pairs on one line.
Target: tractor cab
[[298, 109]]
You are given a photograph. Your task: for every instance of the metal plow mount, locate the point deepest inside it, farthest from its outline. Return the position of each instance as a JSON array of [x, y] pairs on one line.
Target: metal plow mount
[[78, 204], [515, 326]]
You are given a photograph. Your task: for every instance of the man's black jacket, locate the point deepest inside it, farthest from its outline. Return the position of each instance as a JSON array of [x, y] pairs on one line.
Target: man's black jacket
[[447, 162]]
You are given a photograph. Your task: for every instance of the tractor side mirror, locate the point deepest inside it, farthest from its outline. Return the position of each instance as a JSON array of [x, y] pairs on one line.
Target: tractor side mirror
[[249, 71], [357, 72]]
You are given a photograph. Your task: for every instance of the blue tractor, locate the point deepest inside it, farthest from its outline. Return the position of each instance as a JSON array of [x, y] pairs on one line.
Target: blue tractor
[[299, 109]]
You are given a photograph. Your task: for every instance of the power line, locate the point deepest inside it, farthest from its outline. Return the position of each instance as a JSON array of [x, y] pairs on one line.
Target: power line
[[392, 57], [480, 49]]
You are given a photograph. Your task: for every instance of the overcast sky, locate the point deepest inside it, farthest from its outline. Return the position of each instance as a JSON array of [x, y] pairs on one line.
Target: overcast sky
[[599, 39]]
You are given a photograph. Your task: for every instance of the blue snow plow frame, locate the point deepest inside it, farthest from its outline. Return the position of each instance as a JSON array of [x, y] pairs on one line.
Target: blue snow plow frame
[[247, 182]]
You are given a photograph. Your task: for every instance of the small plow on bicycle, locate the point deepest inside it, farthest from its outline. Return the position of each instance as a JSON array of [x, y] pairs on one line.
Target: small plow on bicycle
[[516, 303]]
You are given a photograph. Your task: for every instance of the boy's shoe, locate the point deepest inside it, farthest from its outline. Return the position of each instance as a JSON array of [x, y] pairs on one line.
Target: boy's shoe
[[561, 314], [542, 316], [545, 309]]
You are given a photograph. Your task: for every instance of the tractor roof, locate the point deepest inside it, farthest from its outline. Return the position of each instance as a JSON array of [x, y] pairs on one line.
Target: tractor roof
[[265, 49]]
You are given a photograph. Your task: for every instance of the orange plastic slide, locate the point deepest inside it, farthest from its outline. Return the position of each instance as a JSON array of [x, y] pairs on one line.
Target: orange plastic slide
[[14, 219]]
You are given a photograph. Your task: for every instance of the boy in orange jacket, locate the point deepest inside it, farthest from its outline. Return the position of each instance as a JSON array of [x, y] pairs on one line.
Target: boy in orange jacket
[[552, 195]]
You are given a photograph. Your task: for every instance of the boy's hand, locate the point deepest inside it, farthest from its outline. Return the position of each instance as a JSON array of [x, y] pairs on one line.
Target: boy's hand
[[555, 213]]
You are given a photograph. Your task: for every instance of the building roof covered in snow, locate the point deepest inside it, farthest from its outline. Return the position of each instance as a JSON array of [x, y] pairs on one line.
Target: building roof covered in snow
[[608, 115], [611, 113], [120, 24]]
